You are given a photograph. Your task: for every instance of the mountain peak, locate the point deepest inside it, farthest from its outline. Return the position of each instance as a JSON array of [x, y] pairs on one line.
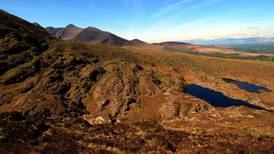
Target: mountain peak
[[91, 35], [36, 24], [71, 26], [93, 28], [138, 42], [135, 40]]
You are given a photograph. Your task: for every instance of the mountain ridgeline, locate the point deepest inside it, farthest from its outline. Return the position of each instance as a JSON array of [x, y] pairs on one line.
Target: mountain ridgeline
[[90, 35]]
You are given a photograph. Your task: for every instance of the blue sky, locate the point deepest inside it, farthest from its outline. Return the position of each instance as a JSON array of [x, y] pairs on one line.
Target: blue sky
[[154, 20]]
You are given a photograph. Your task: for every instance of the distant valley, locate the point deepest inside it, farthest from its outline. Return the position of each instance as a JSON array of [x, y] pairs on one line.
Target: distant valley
[[92, 35], [234, 41]]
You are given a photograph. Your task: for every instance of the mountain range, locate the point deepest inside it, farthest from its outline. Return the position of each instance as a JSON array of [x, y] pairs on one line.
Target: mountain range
[[90, 35]]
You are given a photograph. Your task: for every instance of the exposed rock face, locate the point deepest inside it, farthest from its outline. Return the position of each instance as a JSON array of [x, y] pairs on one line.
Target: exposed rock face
[[125, 89]]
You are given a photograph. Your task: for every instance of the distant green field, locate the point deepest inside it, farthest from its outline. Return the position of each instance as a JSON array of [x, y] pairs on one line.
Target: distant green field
[[222, 55], [255, 48]]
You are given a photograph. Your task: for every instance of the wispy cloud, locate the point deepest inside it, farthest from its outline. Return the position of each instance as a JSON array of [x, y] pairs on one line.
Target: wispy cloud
[[171, 7], [191, 24], [184, 20], [184, 6]]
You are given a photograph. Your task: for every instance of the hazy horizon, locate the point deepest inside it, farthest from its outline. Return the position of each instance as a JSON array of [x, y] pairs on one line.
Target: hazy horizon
[[154, 21]]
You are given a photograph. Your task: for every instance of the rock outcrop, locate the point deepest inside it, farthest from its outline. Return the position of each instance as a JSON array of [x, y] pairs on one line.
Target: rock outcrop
[[41, 75]]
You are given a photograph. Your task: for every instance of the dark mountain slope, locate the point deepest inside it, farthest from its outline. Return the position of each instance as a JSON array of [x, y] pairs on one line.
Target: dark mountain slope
[[88, 35], [10, 23], [137, 42], [20, 41], [95, 36], [69, 32], [91, 35], [53, 31]]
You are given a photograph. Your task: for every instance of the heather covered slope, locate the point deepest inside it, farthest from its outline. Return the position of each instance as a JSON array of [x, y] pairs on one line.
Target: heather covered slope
[[34, 135], [20, 41], [65, 78], [12, 24]]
